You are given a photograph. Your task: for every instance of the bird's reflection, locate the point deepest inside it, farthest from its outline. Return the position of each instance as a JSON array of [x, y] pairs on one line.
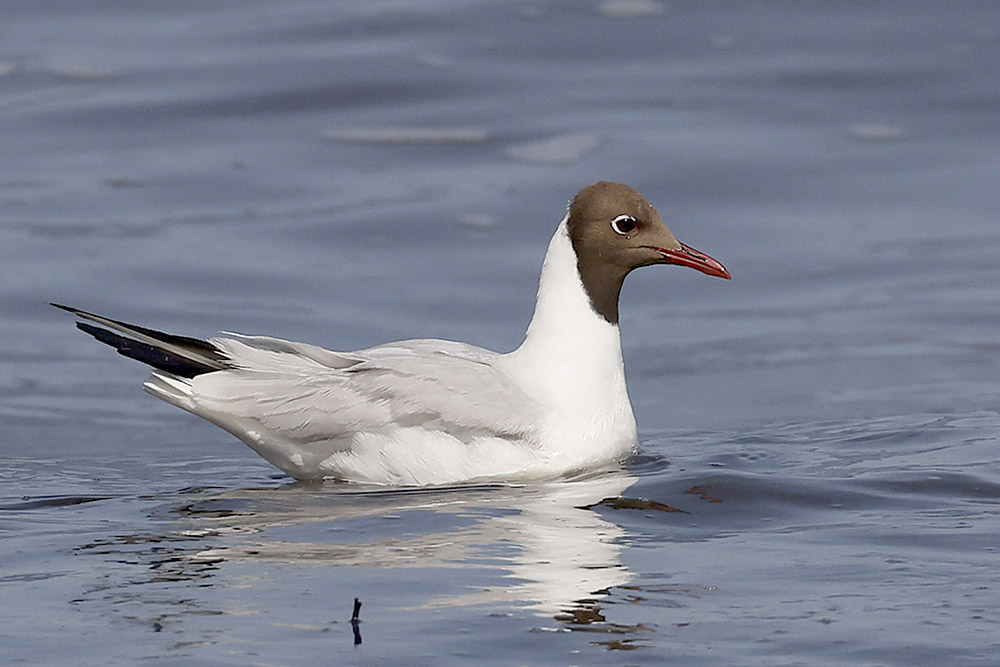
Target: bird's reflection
[[558, 555]]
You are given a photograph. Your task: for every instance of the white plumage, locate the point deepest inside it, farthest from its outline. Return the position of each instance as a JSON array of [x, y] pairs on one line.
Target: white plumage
[[429, 411], [421, 412]]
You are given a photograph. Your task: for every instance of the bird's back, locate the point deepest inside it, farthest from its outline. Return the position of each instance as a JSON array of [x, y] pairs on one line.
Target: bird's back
[[443, 409]]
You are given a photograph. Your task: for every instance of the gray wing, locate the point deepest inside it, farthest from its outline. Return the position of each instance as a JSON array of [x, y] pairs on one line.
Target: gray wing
[[306, 394]]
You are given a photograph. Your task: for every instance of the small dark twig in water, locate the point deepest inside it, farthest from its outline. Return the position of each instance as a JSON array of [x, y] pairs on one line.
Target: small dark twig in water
[[356, 620]]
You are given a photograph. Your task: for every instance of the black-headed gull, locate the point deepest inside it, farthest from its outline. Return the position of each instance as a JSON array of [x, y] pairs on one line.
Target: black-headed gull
[[421, 412]]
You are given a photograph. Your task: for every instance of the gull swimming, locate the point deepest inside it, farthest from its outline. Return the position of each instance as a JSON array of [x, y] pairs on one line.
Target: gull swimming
[[426, 412]]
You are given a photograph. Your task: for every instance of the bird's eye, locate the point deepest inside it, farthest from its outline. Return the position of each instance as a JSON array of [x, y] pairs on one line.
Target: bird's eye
[[624, 225]]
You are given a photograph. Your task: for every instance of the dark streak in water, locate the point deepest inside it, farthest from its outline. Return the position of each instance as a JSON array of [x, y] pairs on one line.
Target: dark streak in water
[[48, 502]]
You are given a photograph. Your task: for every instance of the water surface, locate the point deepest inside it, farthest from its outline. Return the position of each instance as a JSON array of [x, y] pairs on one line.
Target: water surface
[[820, 477]]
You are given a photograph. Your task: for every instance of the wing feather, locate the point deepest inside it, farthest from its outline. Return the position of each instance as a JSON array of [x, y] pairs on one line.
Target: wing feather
[[310, 395]]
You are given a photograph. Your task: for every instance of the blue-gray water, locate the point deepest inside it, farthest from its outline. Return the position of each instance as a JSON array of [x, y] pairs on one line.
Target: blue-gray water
[[353, 173]]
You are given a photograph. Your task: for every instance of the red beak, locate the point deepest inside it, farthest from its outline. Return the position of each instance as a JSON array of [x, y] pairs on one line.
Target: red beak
[[688, 256]]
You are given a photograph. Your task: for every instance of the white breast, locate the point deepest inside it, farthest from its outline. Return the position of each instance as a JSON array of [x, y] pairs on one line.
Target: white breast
[[571, 362]]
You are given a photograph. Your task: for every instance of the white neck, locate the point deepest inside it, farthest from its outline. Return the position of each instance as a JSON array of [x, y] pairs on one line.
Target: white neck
[[571, 358], [565, 324]]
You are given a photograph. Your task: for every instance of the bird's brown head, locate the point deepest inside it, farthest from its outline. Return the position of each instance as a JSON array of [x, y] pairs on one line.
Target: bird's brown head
[[614, 229]]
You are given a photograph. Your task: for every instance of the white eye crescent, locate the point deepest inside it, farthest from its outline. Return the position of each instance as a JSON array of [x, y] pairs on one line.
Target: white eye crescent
[[624, 225]]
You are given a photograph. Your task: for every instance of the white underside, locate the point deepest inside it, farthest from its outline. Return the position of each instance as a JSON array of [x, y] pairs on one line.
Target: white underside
[[431, 412]]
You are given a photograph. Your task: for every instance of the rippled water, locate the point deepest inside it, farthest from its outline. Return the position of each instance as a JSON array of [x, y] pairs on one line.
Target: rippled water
[[820, 477]]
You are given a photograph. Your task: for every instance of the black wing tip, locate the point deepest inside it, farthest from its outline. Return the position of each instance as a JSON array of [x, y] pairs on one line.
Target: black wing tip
[[150, 355], [154, 355], [97, 332], [79, 312]]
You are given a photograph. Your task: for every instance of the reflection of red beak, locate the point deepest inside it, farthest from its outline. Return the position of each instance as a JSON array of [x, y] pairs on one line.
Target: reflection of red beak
[[688, 256]]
